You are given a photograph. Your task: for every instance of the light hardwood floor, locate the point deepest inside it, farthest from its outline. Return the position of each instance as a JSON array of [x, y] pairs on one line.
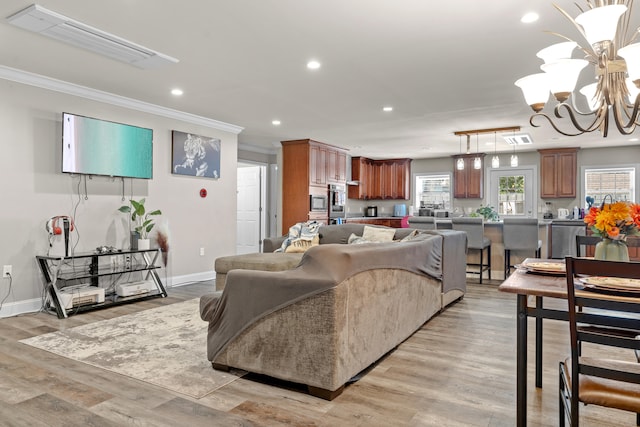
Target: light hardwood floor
[[457, 370]]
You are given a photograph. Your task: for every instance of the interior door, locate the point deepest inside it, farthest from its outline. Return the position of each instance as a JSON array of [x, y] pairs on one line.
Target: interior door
[[249, 222]]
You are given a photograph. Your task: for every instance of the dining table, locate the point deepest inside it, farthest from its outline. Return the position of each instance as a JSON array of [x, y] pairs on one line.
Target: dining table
[[548, 282]]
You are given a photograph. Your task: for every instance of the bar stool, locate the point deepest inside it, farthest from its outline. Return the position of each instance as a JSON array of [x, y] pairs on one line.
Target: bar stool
[[476, 240], [422, 222], [519, 234]]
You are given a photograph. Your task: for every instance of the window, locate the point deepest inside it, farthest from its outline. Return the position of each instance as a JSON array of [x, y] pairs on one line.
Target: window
[[433, 191], [512, 191], [619, 183]]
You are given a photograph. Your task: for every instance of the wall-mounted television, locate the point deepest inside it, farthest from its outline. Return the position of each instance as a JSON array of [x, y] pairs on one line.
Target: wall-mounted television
[[98, 147]]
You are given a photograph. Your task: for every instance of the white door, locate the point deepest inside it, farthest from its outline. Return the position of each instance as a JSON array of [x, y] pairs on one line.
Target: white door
[[523, 203], [249, 229]]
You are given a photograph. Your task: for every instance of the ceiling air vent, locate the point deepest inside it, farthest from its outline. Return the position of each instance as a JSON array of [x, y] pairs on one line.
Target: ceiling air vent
[[518, 139], [51, 24]]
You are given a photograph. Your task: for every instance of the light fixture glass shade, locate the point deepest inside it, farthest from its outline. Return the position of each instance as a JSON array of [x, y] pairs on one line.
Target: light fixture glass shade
[[633, 91], [495, 162], [477, 163], [563, 76], [557, 51], [600, 23], [460, 164], [589, 92], [514, 160], [535, 88], [631, 55]]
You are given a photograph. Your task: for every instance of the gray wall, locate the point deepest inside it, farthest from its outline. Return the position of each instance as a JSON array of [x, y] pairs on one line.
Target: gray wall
[[33, 189]]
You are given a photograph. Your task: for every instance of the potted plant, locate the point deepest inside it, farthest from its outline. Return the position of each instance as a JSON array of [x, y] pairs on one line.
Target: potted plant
[[142, 219]]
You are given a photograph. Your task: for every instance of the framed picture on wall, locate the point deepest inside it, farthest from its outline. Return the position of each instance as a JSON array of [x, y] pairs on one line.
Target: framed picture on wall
[[195, 155]]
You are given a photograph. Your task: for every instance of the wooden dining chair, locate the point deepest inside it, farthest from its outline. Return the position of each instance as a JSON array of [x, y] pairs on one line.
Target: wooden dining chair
[[585, 241], [606, 320]]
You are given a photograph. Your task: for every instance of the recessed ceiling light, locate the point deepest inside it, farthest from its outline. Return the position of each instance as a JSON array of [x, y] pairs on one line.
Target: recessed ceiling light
[[313, 65], [387, 109], [176, 92], [529, 18], [275, 122], [633, 140]]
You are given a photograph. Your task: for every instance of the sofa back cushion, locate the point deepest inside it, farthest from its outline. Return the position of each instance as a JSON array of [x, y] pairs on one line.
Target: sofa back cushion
[[339, 233]]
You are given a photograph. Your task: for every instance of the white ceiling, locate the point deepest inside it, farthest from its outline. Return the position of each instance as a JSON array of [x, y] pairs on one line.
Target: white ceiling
[[443, 66]]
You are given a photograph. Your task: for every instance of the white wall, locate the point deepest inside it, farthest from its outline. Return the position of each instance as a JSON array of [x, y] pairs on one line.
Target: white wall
[[33, 189]]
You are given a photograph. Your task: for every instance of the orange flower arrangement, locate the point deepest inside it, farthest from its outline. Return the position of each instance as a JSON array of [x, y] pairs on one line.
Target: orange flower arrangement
[[614, 221]]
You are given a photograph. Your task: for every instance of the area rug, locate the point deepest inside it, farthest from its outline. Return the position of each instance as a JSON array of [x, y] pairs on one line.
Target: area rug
[[164, 346]]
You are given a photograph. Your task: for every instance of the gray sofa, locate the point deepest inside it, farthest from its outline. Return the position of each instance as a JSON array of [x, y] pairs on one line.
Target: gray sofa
[[341, 309]]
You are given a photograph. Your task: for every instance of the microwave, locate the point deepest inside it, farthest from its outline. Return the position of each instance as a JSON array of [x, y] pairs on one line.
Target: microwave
[[318, 203]]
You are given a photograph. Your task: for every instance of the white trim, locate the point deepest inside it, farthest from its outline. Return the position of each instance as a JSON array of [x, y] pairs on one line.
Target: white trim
[[491, 176], [49, 83], [187, 279], [583, 168]]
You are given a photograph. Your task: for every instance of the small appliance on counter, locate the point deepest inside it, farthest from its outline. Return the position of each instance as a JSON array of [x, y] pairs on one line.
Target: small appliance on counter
[[400, 210], [371, 211], [563, 213], [548, 211]]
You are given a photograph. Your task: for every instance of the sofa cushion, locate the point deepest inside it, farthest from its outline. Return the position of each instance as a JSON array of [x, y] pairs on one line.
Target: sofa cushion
[[268, 261], [377, 234]]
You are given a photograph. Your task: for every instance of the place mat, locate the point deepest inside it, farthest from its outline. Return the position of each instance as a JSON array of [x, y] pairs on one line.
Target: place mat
[[611, 283], [544, 267]]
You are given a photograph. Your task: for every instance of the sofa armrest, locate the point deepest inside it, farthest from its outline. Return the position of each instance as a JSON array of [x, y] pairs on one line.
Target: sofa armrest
[[270, 244]]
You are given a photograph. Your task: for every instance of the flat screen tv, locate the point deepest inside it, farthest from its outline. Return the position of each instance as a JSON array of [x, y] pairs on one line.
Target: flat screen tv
[[99, 147]]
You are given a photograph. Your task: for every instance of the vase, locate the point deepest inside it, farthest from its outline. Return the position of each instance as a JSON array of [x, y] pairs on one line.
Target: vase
[[612, 250], [144, 244]]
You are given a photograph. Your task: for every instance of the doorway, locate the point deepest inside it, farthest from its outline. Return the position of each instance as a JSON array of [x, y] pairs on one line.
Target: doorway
[[251, 212], [512, 191]]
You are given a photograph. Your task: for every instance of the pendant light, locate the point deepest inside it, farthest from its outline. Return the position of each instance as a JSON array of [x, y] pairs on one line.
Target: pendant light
[[460, 162], [495, 160], [477, 162], [514, 157]]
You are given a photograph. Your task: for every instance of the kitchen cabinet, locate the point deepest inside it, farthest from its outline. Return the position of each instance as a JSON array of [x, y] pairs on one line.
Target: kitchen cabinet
[[468, 183], [558, 170], [380, 179], [308, 167], [387, 222]]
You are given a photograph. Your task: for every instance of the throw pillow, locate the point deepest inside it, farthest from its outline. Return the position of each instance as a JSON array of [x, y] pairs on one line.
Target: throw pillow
[[376, 234], [301, 245], [410, 236], [354, 239]]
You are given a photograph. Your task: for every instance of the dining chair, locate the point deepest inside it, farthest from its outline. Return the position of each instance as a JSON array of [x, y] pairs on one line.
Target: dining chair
[[519, 234], [585, 241], [422, 222], [476, 240], [609, 319]]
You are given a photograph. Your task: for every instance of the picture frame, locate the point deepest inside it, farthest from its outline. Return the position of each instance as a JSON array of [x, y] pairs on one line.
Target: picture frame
[[195, 155]]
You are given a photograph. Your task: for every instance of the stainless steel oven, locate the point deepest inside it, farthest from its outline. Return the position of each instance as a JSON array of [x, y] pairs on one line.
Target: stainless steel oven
[[337, 202]]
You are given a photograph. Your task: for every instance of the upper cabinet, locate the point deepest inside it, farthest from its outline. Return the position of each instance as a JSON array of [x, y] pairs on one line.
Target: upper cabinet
[[308, 167], [468, 183], [380, 179], [558, 169]]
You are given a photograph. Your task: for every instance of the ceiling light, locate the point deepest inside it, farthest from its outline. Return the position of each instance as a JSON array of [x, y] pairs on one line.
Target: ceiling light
[[477, 161], [616, 93], [51, 24], [313, 65], [176, 92], [460, 161], [276, 122], [514, 156], [495, 160], [530, 17], [387, 109]]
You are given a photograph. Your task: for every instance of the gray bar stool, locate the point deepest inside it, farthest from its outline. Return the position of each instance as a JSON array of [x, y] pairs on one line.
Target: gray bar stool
[[476, 240], [422, 222], [519, 234]]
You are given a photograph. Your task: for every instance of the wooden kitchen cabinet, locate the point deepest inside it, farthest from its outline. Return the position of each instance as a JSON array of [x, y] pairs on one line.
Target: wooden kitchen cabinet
[[558, 170], [307, 168], [468, 183], [387, 222], [380, 179]]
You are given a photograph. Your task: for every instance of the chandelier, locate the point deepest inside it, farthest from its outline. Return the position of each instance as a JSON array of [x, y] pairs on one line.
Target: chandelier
[[616, 90], [477, 161]]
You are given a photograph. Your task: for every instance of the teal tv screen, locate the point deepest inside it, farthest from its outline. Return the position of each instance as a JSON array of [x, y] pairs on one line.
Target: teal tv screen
[[99, 147]]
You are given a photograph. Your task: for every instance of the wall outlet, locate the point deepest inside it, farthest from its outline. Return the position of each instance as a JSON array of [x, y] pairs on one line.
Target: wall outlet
[[201, 251], [6, 271]]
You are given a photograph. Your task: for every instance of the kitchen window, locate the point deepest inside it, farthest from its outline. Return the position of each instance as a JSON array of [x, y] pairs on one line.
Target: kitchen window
[[618, 182], [511, 191], [433, 191]]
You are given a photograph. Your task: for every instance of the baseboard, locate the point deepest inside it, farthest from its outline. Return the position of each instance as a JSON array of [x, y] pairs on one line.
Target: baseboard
[[10, 309]]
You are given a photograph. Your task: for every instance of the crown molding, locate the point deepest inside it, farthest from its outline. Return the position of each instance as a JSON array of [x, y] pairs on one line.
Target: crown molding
[[256, 149], [56, 85]]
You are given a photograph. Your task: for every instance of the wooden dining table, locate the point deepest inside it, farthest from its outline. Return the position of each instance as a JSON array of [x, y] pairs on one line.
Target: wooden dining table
[[524, 284]]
